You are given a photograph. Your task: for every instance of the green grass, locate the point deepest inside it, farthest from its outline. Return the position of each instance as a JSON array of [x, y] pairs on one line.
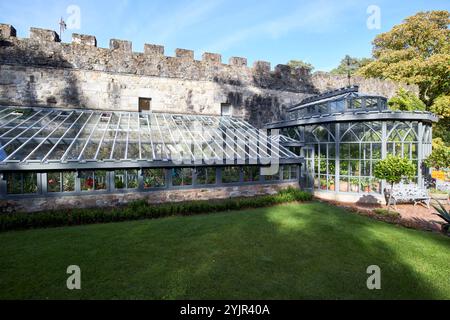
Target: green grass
[[292, 251]]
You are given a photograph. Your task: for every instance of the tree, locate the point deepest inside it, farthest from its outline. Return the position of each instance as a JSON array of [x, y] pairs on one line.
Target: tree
[[416, 51], [440, 157], [441, 107], [406, 100], [393, 169], [350, 64], [299, 64]]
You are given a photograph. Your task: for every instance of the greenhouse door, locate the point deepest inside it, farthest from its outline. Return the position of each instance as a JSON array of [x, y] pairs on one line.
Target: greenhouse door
[[307, 174]]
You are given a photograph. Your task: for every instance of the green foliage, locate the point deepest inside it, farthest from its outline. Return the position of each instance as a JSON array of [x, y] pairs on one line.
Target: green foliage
[[140, 209], [443, 213], [354, 65], [299, 64], [406, 100], [393, 169], [416, 51], [440, 157], [441, 107], [387, 213]]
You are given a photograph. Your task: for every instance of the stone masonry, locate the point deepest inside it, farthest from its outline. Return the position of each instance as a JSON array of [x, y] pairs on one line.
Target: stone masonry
[[163, 196], [42, 71]]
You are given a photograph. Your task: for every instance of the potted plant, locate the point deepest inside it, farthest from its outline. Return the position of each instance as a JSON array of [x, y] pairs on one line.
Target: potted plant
[[354, 184], [393, 169], [331, 186], [365, 185]]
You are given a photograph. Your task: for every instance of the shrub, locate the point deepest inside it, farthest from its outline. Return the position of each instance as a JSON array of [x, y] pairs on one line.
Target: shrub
[[140, 209], [387, 213]]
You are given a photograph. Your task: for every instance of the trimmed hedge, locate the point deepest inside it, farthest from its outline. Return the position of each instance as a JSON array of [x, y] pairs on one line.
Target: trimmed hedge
[[142, 210]]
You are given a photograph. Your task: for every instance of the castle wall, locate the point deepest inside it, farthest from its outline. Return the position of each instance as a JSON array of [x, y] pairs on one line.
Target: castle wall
[[42, 71]]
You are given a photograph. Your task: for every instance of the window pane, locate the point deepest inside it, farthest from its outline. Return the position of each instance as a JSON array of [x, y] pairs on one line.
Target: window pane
[[120, 179], [294, 172], [14, 183], [154, 178], [182, 176], [54, 181], [30, 182], [100, 180], [132, 179], [87, 180], [206, 176], [230, 174], [251, 174], [68, 181], [286, 173]]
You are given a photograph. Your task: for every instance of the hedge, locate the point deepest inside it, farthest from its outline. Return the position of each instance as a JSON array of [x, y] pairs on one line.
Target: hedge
[[142, 210]]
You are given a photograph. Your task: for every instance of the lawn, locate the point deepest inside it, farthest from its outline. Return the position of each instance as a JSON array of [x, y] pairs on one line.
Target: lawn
[[292, 251]]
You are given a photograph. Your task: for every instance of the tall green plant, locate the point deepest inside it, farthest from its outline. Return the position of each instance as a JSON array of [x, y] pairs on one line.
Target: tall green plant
[[393, 169], [445, 215]]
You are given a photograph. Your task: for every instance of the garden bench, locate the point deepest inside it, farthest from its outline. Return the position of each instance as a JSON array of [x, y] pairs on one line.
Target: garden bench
[[407, 193]]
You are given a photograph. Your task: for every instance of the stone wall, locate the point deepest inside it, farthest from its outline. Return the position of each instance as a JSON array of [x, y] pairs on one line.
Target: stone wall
[[42, 71], [163, 196], [324, 81]]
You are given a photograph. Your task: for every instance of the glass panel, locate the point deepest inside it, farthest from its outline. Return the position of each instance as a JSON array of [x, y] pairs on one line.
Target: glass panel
[[344, 168], [354, 151], [376, 150], [132, 179], [182, 176], [14, 183], [294, 172], [286, 173], [54, 181], [120, 179], [230, 174], [344, 151], [365, 185], [354, 184], [154, 178], [68, 181], [331, 183], [251, 174], [87, 180], [30, 182], [206, 176], [343, 184], [100, 180]]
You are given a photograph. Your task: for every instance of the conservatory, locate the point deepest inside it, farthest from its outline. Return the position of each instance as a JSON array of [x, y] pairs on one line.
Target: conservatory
[[47, 152], [345, 133]]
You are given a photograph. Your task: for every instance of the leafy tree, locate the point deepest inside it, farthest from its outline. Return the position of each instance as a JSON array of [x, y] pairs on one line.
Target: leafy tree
[[393, 169], [299, 64], [406, 100], [350, 64], [416, 51], [440, 157], [441, 107]]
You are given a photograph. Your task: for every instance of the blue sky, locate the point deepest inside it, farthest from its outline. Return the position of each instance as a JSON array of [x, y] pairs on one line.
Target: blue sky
[[320, 32]]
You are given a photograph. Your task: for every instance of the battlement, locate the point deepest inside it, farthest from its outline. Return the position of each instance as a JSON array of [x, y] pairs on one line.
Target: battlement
[[44, 48]]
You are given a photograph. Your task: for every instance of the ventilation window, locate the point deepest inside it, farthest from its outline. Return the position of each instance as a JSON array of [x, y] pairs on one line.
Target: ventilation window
[[226, 110], [145, 104]]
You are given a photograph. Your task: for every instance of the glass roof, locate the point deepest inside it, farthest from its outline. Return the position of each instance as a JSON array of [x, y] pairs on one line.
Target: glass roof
[[47, 135]]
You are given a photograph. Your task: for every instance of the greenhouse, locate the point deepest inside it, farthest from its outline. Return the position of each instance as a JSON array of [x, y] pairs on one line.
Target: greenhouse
[[346, 132], [47, 152]]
